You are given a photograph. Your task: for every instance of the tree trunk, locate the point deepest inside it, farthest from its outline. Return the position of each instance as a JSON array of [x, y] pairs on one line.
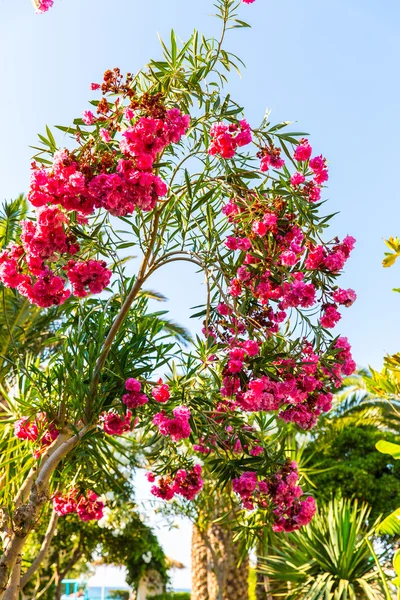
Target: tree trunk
[[13, 588], [226, 579], [43, 550], [199, 566], [58, 590]]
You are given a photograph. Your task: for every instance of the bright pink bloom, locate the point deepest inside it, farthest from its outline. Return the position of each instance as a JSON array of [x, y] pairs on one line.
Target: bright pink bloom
[[90, 276], [43, 6], [133, 385], [89, 507], [177, 427], [317, 164], [64, 505], [48, 290], [345, 297], [164, 489], [259, 228], [330, 317], [188, 483], [105, 135], [251, 347], [303, 151], [129, 114], [135, 397], [161, 392], [297, 179], [225, 139], [88, 117], [289, 258], [114, 424], [25, 429]]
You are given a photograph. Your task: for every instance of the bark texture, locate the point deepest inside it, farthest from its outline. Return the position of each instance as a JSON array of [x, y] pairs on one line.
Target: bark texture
[[216, 572], [199, 566]]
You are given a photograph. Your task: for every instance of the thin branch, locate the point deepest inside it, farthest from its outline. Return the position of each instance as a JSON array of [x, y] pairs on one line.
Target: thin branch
[[140, 279], [43, 550]]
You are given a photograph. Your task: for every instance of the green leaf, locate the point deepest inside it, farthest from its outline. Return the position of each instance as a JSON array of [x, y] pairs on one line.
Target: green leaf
[[390, 525], [389, 448]]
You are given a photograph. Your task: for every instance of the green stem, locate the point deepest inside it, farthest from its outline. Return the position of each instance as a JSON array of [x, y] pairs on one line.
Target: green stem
[[388, 595]]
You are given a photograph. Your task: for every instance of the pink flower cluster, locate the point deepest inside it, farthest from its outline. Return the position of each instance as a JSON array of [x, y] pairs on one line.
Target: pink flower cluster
[[148, 137], [300, 388], [80, 184], [311, 189], [43, 6], [185, 483], [225, 139], [87, 506], [89, 276], [114, 424], [39, 430], [176, 427], [28, 266], [135, 397], [280, 493], [161, 392], [275, 272], [121, 192]]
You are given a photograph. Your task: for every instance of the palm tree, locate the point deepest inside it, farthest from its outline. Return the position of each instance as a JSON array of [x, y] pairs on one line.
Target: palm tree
[[24, 329], [199, 566], [328, 559], [363, 401]]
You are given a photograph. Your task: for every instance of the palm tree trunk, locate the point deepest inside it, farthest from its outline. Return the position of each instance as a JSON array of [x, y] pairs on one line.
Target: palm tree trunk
[[227, 575], [199, 566]]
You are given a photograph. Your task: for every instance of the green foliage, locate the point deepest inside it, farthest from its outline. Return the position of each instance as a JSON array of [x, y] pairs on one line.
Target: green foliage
[[119, 594], [347, 464], [391, 524], [124, 540], [171, 596], [328, 559]]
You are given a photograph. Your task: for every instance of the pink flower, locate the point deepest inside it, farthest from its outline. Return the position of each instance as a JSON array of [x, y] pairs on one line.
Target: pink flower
[[94, 86], [225, 139], [90, 276], [129, 114], [25, 430], [135, 397], [161, 393], [105, 135], [64, 505], [43, 6], [318, 163], [188, 483], [251, 347], [303, 151], [48, 290], [177, 427], [259, 228], [224, 309], [164, 489], [330, 317], [89, 507], [88, 117], [114, 424], [297, 179], [288, 258], [133, 385], [345, 297]]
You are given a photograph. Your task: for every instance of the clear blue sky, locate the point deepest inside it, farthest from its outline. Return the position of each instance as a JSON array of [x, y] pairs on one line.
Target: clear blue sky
[[330, 65]]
